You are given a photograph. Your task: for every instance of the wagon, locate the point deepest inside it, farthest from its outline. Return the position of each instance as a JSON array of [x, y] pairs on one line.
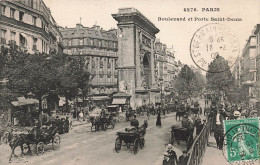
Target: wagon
[[44, 136], [180, 134], [114, 111], [131, 138]]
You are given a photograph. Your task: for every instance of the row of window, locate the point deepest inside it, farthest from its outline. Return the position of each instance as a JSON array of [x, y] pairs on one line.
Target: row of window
[[90, 42], [23, 40], [21, 16]]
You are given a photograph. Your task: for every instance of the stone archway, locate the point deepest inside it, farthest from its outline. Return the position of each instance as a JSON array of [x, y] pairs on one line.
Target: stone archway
[[146, 70]]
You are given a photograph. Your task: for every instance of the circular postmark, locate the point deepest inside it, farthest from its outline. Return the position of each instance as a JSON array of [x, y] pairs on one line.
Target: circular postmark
[[213, 40], [242, 141]]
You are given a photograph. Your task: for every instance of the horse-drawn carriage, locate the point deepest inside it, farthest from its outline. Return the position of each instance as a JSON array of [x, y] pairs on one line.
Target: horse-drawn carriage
[[38, 137], [113, 111], [102, 121], [132, 137], [181, 134]]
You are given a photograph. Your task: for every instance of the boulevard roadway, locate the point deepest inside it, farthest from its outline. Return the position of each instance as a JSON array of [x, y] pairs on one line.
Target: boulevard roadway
[[81, 146]]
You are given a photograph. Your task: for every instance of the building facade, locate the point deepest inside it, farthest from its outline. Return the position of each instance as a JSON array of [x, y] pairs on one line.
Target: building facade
[[29, 25], [99, 49], [165, 67], [257, 34], [248, 67], [136, 37]]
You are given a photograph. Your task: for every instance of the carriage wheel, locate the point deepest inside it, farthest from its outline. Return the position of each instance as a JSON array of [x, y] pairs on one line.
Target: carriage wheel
[[93, 128], [113, 125], [104, 126], [142, 143], [136, 144], [56, 142], [118, 144], [40, 148]]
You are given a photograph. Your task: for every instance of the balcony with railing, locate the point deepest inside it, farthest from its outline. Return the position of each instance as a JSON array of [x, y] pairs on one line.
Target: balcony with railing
[[24, 25], [103, 83]]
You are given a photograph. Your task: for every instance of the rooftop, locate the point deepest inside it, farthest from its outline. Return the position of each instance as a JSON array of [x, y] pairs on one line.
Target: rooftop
[[91, 32]]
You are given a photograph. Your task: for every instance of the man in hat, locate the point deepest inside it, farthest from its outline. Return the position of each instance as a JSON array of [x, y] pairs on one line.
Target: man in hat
[[134, 122], [219, 129]]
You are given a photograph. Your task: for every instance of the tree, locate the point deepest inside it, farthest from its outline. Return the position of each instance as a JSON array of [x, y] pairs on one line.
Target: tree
[[34, 74], [219, 77], [186, 83]]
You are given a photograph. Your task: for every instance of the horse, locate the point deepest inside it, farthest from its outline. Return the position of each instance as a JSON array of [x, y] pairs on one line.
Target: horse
[[95, 121], [19, 141]]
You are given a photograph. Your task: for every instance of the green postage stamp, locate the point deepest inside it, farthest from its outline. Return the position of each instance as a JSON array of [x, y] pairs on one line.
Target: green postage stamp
[[242, 140]]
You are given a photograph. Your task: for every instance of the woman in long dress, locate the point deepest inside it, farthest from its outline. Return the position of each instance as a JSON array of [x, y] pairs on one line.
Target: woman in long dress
[[158, 121]]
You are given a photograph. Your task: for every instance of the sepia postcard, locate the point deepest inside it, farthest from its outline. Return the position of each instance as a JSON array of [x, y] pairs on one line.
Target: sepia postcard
[[129, 82]]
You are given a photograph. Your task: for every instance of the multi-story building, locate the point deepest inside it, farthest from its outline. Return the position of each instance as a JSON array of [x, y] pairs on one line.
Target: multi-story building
[[165, 66], [248, 67], [99, 49], [257, 34], [236, 71], [29, 25]]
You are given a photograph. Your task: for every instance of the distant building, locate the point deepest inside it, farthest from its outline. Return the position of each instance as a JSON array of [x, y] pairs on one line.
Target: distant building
[[99, 48], [30, 25], [257, 34], [165, 66], [248, 67]]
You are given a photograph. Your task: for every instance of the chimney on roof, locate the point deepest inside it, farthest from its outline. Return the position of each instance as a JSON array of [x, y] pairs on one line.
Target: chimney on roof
[[78, 26]]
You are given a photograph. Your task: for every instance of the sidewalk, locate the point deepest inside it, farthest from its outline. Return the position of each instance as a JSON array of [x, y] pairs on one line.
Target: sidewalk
[[213, 156]]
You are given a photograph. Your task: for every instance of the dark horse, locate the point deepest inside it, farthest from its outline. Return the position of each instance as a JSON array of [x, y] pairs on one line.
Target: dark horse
[[19, 141]]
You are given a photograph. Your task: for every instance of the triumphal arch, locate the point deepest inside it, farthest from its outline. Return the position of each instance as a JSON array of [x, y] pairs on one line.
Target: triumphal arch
[[136, 36]]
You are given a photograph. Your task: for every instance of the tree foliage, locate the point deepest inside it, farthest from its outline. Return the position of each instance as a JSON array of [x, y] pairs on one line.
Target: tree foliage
[[219, 77], [188, 82], [37, 75]]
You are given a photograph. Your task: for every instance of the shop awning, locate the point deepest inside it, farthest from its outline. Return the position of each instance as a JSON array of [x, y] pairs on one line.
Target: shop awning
[[23, 101], [100, 98], [119, 101]]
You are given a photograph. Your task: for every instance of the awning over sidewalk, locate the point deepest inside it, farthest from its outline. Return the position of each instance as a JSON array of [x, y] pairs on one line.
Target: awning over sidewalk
[[119, 101], [100, 98], [23, 101]]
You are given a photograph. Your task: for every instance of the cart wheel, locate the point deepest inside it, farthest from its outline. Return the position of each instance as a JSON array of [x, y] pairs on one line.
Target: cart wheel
[[113, 125], [56, 142], [40, 148], [118, 144], [93, 128], [136, 144], [105, 127], [142, 143]]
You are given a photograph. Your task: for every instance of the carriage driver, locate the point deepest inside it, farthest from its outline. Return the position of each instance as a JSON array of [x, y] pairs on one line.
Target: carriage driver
[[135, 122]]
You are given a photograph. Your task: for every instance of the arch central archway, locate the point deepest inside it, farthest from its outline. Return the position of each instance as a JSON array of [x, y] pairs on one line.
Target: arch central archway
[[147, 70]]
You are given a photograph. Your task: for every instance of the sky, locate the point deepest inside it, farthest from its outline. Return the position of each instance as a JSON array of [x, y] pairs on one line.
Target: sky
[[176, 34]]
